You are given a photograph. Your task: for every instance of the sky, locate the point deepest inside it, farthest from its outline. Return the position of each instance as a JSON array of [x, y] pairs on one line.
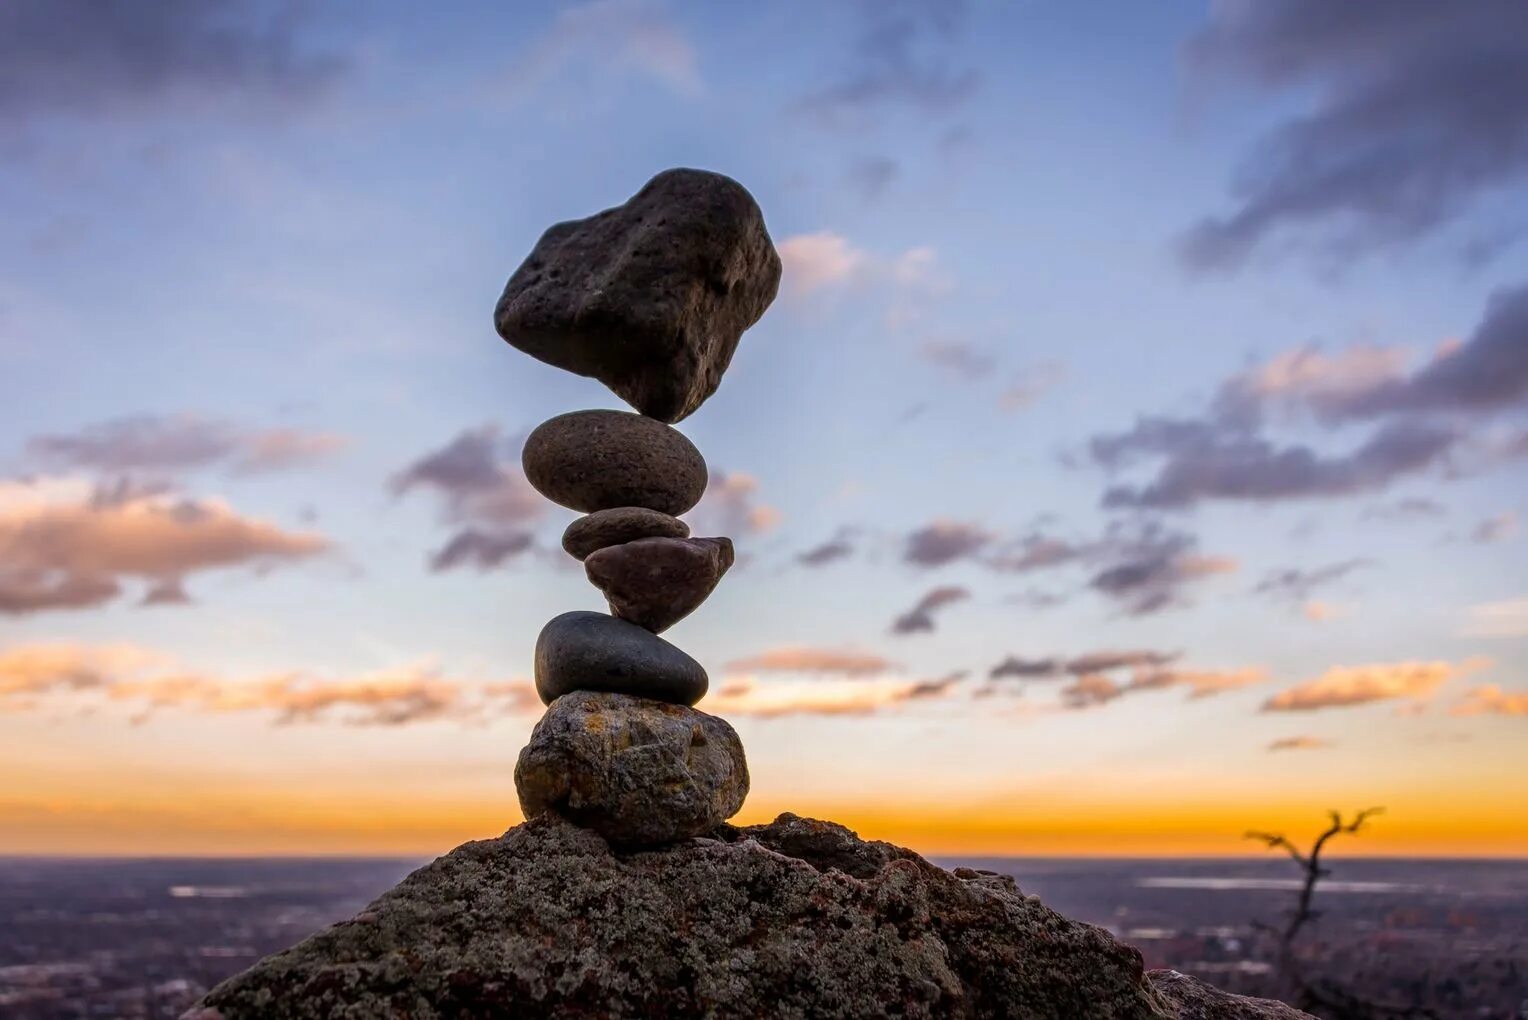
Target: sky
[[1134, 456]]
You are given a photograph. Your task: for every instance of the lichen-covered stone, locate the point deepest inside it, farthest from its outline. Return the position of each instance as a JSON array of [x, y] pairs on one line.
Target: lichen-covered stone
[[1194, 1000], [656, 582], [792, 920], [650, 297], [638, 772], [596, 460], [604, 528], [583, 651]]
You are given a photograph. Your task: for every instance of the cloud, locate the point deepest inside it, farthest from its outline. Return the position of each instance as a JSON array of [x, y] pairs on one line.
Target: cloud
[[807, 659], [1495, 529], [1199, 683], [33, 669], [1298, 584], [1344, 686], [1203, 462], [959, 358], [1317, 611], [1505, 619], [1409, 509], [149, 682], [873, 174], [825, 260], [1090, 691], [836, 548], [1014, 666], [1107, 661], [64, 546], [630, 37], [731, 506], [921, 616], [1418, 111], [483, 494], [1489, 699], [1298, 744], [1152, 574], [944, 541], [1026, 388], [902, 58], [82, 57], [745, 696], [181, 442], [481, 550]]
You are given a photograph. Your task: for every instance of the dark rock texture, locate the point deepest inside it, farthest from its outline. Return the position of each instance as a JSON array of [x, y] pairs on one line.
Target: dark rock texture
[[1195, 1000], [637, 772], [582, 651], [656, 582], [796, 919], [598, 460], [650, 297], [617, 525]]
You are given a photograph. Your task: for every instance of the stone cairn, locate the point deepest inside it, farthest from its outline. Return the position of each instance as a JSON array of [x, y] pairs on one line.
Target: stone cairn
[[650, 298]]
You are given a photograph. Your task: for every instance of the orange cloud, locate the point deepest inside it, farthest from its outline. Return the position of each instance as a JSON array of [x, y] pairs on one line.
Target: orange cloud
[[730, 506], [1299, 744], [1344, 686], [805, 659], [140, 678], [1200, 683], [42, 668], [1090, 691], [1490, 699], [745, 696], [63, 543]]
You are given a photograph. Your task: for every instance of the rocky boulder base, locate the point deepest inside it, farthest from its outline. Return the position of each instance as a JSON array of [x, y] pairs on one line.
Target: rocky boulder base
[[793, 920], [638, 772]]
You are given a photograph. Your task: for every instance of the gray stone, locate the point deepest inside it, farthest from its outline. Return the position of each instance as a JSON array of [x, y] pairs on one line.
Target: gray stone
[[619, 524], [656, 582], [792, 920], [598, 460], [650, 297], [582, 651], [638, 772]]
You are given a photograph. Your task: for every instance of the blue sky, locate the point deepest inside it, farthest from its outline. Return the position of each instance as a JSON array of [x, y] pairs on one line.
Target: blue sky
[[247, 266]]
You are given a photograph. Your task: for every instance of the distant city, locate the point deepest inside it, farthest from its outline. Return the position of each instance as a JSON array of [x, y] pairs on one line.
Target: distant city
[[146, 938]]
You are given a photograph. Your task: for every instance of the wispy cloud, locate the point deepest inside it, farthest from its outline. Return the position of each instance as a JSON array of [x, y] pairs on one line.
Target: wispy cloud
[[484, 496], [731, 506], [1505, 619], [921, 616], [1299, 744], [1490, 699], [1399, 141], [158, 444], [809, 659], [746, 696], [1347, 686], [67, 544], [87, 58]]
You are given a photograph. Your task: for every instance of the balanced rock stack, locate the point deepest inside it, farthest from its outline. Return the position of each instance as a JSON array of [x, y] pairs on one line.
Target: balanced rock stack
[[650, 298]]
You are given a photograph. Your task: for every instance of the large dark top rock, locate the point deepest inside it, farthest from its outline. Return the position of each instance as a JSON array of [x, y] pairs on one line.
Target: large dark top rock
[[795, 919], [650, 297]]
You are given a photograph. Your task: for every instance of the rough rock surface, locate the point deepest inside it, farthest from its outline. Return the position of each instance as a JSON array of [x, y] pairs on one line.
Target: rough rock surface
[[597, 460], [656, 582], [650, 297], [617, 525], [638, 772], [1195, 1000], [793, 920], [583, 651]]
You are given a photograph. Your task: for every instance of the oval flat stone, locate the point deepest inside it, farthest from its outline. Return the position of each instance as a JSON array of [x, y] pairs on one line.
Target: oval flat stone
[[617, 525], [656, 582], [636, 771], [583, 651], [597, 460]]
